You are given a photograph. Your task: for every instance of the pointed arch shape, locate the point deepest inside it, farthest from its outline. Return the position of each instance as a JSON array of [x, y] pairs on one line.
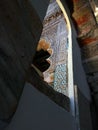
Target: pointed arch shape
[[70, 61]]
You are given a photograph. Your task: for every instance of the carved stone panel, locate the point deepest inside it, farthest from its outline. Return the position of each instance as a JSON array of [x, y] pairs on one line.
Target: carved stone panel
[[55, 32]]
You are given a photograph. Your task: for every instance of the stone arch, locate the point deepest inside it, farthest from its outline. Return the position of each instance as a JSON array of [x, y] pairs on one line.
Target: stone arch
[[47, 19]]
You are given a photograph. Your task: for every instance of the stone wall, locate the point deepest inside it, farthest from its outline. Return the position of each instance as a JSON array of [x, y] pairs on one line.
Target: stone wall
[[55, 32], [20, 30], [87, 29]]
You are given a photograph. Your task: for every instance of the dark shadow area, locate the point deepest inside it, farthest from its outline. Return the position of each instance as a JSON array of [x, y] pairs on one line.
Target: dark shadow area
[[37, 112], [71, 9], [40, 61], [42, 86]]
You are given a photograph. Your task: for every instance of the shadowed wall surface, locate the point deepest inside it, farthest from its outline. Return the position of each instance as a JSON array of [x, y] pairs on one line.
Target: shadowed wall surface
[[20, 29], [36, 111]]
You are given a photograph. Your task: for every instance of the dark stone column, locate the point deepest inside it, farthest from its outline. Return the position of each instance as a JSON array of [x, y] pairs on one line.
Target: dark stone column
[[20, 29]]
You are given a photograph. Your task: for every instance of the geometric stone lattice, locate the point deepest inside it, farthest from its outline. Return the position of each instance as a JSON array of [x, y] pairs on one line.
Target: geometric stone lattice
[[60, 80]]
